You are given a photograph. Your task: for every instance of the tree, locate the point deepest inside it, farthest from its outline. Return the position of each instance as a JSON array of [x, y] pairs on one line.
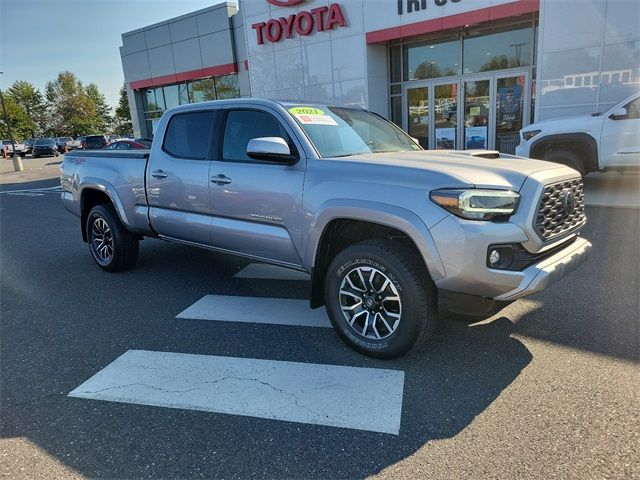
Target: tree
[[31, 101], [71, 110], [21, 125], [102, 120], [122, 118]]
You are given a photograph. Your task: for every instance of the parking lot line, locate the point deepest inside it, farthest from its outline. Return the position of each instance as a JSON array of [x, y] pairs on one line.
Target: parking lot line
[[332, 395], [271, 272], [275, 311], [56, 189]]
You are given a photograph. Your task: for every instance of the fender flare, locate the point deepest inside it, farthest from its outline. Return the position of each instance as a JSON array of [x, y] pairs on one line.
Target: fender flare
[[383, 214], [591, 164], [109, 190]]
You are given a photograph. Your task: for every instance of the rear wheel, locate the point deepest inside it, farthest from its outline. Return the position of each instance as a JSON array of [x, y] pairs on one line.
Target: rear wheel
[[568, 158], [380, 298], [112, 246]]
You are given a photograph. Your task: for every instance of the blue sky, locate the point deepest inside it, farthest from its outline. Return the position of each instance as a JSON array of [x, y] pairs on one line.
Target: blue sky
[[40, 38]]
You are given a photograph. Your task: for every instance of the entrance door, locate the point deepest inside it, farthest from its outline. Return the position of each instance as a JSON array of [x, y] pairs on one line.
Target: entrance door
[[417, 114], [477, 114], [483, 111], [445, 113], [509, 107]]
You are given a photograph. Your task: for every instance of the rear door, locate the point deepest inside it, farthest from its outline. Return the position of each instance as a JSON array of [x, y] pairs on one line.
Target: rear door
[[256, 205], [178, 178]]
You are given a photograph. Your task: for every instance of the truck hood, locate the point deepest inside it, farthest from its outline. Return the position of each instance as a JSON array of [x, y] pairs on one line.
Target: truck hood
[[578, 123], [466, 167]]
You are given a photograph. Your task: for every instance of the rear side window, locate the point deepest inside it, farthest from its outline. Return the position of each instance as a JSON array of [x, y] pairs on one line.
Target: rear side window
[[189, 134], [245, 125]]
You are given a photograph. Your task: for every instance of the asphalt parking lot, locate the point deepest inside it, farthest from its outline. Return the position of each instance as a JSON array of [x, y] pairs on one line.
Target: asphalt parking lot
[[548, 388]]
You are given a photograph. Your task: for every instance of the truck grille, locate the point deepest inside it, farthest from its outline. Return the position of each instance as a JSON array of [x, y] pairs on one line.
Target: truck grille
[[561, 209]]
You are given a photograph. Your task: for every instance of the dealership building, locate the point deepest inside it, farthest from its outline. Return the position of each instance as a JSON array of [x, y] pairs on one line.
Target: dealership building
[[452, 73]]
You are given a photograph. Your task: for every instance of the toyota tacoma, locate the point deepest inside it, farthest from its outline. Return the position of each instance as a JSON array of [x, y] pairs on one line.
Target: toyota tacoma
[[390, 233]]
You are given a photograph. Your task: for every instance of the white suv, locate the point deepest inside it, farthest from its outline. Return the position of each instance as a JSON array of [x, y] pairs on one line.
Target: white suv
[[588, 143]]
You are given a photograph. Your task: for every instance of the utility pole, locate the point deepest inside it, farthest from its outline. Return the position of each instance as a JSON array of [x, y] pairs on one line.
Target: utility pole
[[17, 161]]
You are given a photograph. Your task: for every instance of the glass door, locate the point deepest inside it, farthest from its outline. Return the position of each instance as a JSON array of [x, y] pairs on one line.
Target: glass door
[[510, 93], [445, 112], [417, 114], [477, 113]]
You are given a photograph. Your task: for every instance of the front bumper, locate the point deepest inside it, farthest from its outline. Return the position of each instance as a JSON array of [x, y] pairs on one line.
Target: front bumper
[[544, 274]]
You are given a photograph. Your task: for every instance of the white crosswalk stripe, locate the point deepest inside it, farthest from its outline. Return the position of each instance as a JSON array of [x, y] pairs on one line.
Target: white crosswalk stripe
[[330, 395], [338, 396], [271, 272], [275, 311]]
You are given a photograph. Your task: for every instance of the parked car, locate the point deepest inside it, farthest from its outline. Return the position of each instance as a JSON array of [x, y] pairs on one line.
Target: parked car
[[20, 148], [28, 145], [126, 145], [113, 138], [63, 143], [588, 143], [93, 142], [45, 147], [389, 232]]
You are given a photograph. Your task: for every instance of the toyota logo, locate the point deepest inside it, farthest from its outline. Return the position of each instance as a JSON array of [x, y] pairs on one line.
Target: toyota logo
[[568, 201], [285, 3]]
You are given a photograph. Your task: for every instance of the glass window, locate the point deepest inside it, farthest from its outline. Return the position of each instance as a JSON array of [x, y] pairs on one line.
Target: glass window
[[343, 132], [202, 90], [245, 125], [153, 99], [123, 146], [395, 64], [497, 51], [432, 60], [188, 135], [396, 111], [183, 94], [171, 96], [227, 87], [633, 109]]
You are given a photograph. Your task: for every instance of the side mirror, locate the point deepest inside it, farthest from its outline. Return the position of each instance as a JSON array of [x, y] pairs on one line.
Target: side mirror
[[619, 114], [272, 149]]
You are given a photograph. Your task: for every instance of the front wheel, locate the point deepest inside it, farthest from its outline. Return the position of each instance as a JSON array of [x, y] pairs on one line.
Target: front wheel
[[112, 246], [380, 298]]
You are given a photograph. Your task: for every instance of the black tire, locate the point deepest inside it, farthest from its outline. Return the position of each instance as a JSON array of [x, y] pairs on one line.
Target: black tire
[[406, 273], [567, 158], [123, 251]]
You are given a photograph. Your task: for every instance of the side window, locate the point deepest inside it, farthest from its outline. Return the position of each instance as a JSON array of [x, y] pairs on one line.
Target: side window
[[111, 146], [188, 135], [245, 125], [633, 109], [123, 146]]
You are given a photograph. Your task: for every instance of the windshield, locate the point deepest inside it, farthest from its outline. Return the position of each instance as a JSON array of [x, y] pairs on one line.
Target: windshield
[[45, 141], [65, 139], [342, 132]]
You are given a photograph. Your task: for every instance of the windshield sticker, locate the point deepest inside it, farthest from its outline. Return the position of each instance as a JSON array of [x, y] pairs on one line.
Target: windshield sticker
[[306, 111]]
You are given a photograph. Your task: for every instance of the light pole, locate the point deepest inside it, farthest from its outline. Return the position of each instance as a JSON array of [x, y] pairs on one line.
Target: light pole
[[17, 161]]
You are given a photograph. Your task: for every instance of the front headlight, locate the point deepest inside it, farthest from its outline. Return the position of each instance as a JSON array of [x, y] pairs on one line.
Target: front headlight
[[530, 134], [476, 204]]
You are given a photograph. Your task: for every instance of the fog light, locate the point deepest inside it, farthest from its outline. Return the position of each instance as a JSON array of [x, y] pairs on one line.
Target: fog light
[[494, 257]]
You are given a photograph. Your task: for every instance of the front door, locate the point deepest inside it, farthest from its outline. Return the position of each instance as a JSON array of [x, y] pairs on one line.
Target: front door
[[257, 205], [620, 141], [178, 178]]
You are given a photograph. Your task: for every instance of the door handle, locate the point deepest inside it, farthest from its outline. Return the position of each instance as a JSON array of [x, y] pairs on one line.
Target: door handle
[[220, 180], [159, 174]]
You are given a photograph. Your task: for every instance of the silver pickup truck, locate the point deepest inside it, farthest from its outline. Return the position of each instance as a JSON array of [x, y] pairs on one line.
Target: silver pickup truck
[[390, 233]]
